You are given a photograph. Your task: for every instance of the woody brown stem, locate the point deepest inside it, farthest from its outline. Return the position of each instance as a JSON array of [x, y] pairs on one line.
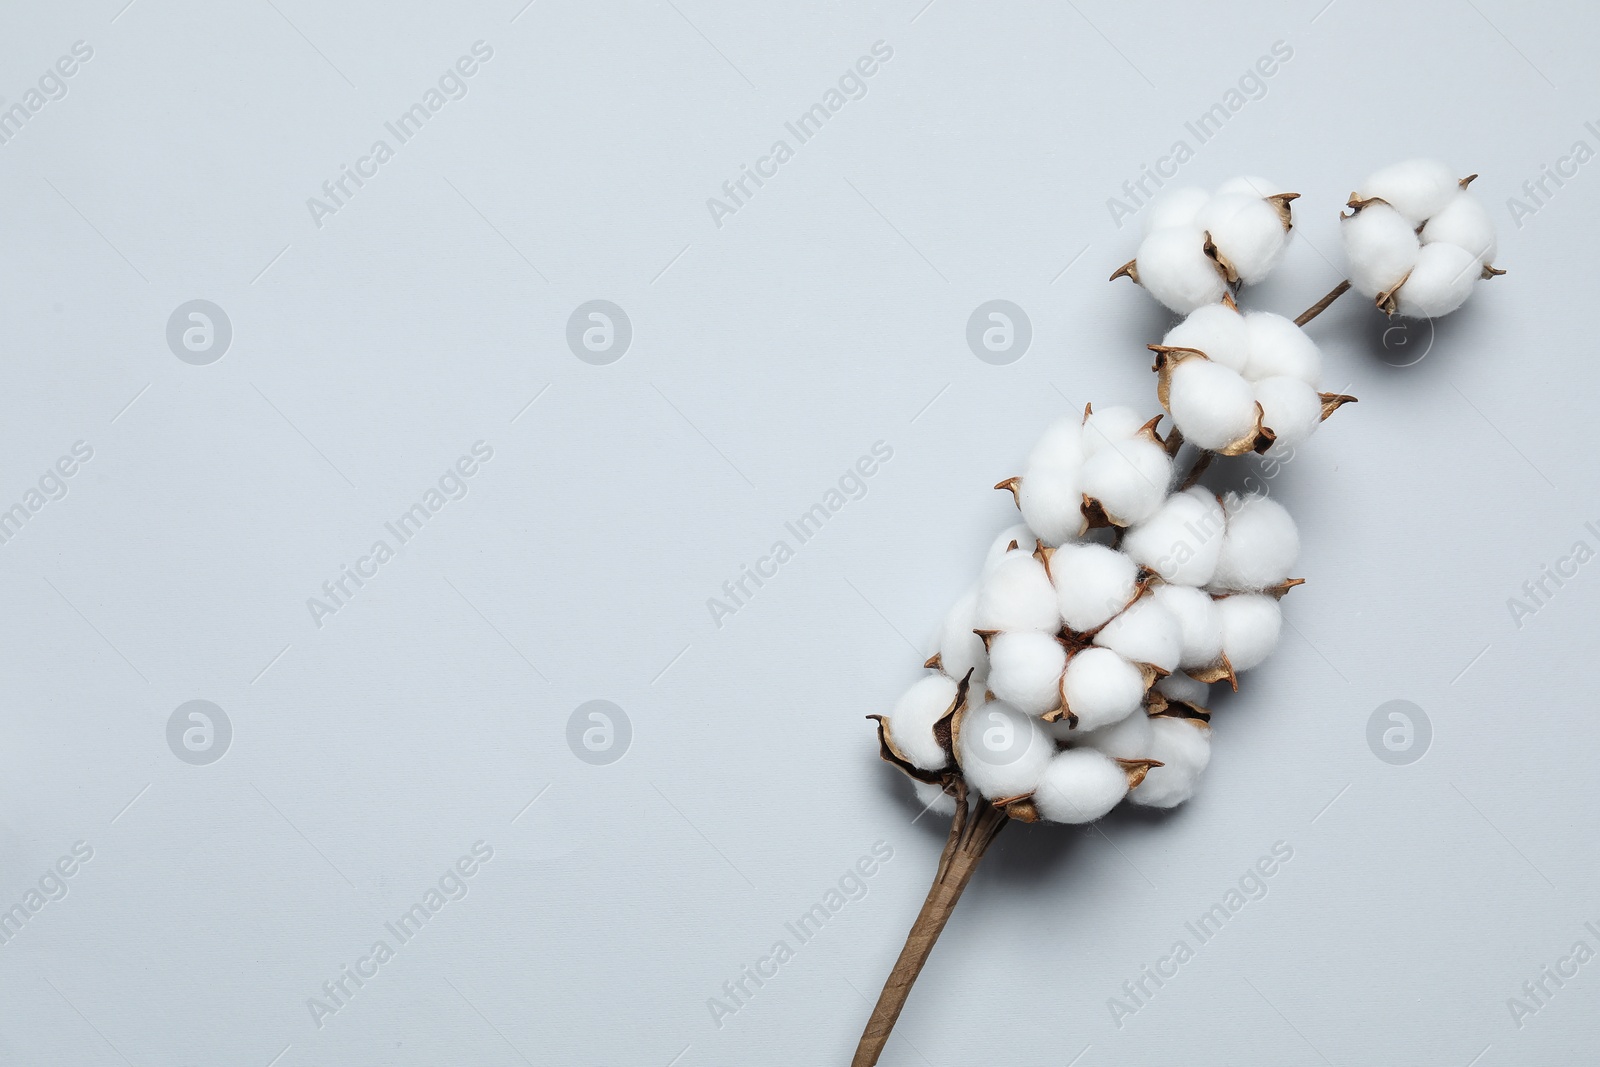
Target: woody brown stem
[[1322, 305], [1201, 462], [970, 836]]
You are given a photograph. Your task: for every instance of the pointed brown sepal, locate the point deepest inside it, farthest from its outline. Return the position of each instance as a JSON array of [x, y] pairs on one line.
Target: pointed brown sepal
[[1020, 807], [1490, 272], [1281, 202], [1225, 268], [1148, 432], [1332, 402], [1152, 674], [1061, 714], [1229, 302], [1257, 440], [1136, 769], [1012, 484], [988, 637], [1183, 709], [890, 753], [1282, 588], [1217, 673], [1088, 409], [933, 662], [1388, 301], [1095, 516], [943, 728], [1355, 203], [1043, 553], [1129, 269], [1468, 180]]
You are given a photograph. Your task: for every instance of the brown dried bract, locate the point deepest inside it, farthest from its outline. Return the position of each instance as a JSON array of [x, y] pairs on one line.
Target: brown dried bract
[[890, 753], [1490, 272], [1217, 673], [1278, 591], [1129, 269], [1012, 484], [1021, 807], [1225, 268], [934, 662], [1281, 202], [1332, 402], [1136, 769], [1388, 301]]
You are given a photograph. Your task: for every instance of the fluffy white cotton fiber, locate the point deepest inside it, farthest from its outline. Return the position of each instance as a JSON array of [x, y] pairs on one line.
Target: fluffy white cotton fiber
[[1380, 248], [1025, 671], [1092, 584], [1212, 405], [1218, 331], [1418, 188], [1127, 738], [1080, 785], [1198, 620], [1290, 408], [1179, 686], [1465, 223], [1174, 207], [1182, 541], [1279, 347], [911, 721], [1184, 749], [1002, 752], [1440, 282], [1250, 627], [1101, 687], [934, 798], [1145, 632], [1017, 595], [1174, 267], [1129, 478], [1260, 546], [1247, 232]]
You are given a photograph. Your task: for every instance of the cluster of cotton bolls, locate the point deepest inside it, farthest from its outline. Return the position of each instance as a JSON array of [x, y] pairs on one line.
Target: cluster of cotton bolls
[[1236, 382], [1197, 243], [1416, 239], [1075, 674]]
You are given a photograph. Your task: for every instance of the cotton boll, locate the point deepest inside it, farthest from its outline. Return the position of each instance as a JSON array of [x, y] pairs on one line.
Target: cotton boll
[[1017, 595], [1380, 248], [1218, 331], [1025, 671], [1092, 583], [1290, 408], [1128, 738], [1184, 749], [1211, 404], [1417, 188], [911, 721], [1002, 752], [1465, 223], [1018, 534], [1110, 426], [1051, 501], [1260, 546], [1129, 479], [1060, 446], [1101, 687], [961, 650], [934, 798], [1179, 686], [1250, 626], [1174, 207], [1182, 541], [1079, 786], [1439, 283], [1173, 265], [1250, 185], [1279, 348], [1198, 620], [1248, 233], [1145, 633]]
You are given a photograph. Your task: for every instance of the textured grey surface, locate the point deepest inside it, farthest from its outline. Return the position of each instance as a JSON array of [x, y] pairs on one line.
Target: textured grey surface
[[827, 313]]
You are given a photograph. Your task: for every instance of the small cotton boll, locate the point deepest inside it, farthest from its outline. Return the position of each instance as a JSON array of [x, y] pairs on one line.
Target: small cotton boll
[[1250, 185], [1465, 223], [1184, 749], [1002, 752], [1248, 233], [1020, 534], [1110, 426], [1079, 786], [1439, 283], [1145, 633], [1092, 583], [1051, 501], [1060, 446], [1101, 688], [1128, 738], [1250, 626], [961, 650], [1260, 546], [934, 798], [1179, 686], [1211, 404], [1129, 479], [1182, 541], [1174, 207], [1290, 408], [1279, 348], [1017, 595], [1218, 331], [1174, 267], [1380, 248], [1025, 671], [1198, 620], [911, 721], [1417, 188]]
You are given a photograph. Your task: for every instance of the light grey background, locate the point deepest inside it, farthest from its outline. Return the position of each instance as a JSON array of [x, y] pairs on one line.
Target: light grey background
[[827, 314]]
